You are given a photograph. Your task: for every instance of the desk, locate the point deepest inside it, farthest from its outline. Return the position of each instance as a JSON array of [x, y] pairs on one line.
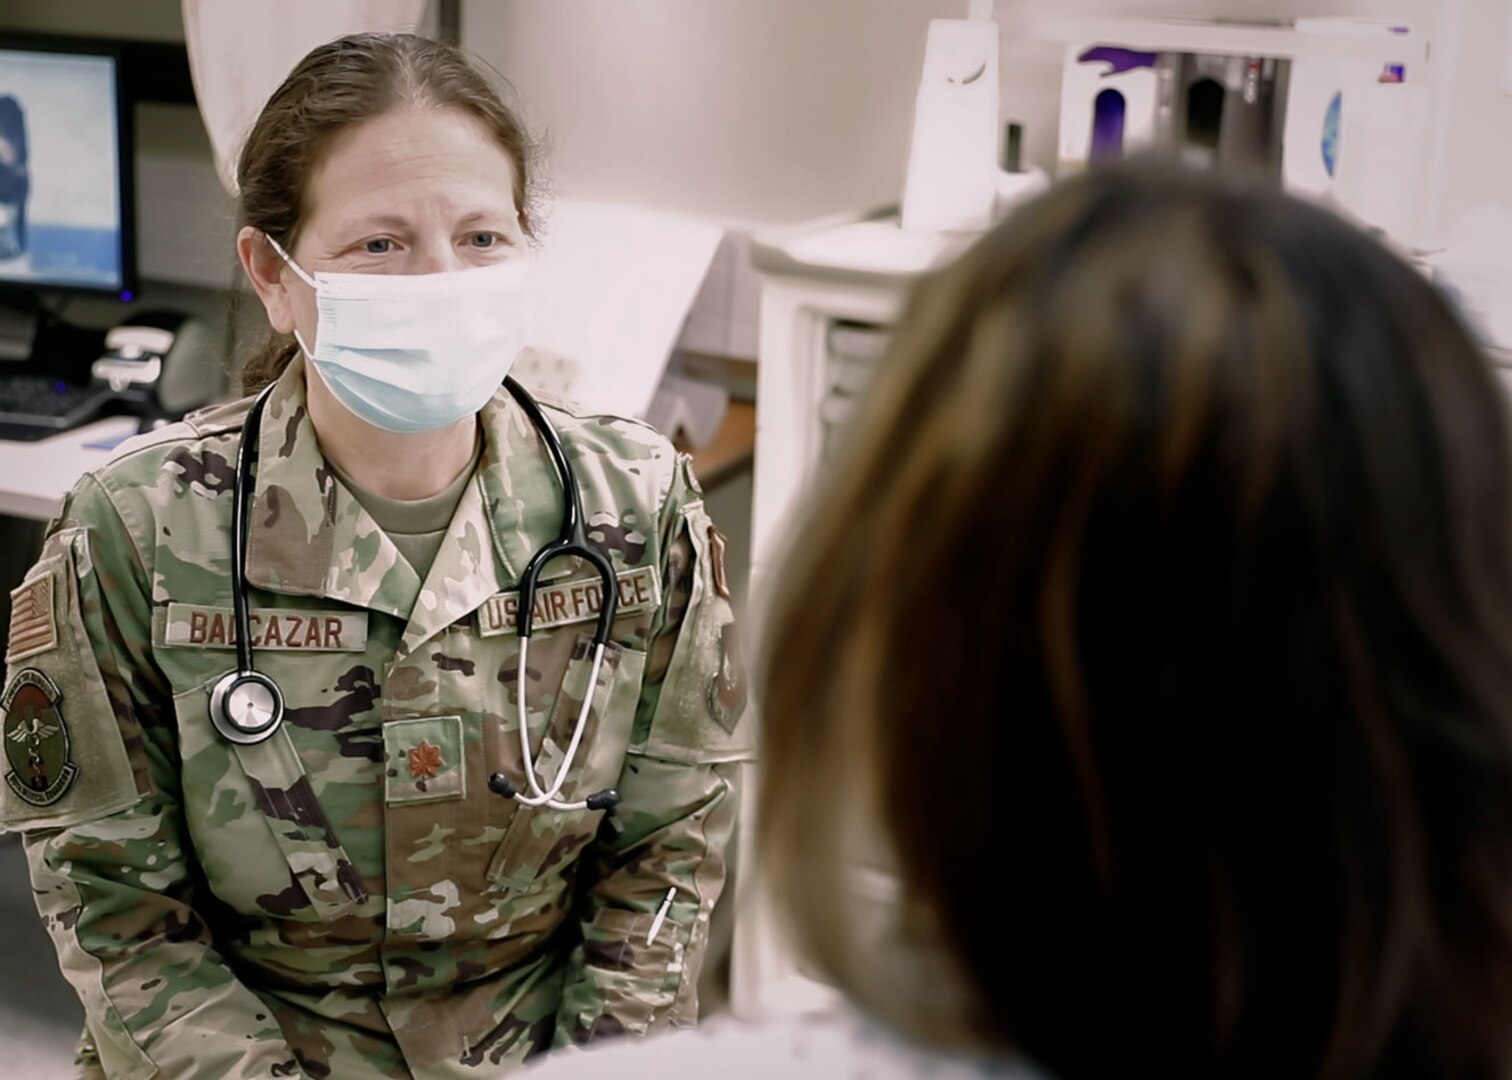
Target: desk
[[34, 476]]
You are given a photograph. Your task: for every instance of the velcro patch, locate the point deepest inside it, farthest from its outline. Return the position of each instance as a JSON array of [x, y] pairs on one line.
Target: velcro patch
[[717, 562], [191, 626], [33, 627], [37, 748], [423, 759], [571, 601]]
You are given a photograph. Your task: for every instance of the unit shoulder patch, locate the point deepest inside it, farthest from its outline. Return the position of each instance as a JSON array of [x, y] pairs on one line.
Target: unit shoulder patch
[[37, 746]]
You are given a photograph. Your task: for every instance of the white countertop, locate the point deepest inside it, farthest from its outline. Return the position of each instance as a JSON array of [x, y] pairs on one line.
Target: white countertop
[[34, 476]]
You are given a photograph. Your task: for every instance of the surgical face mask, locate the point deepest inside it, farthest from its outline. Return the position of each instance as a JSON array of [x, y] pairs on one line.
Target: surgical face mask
[[416, 352]]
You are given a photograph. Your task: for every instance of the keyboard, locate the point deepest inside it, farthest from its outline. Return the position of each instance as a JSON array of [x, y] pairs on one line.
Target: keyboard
[[35, 406]]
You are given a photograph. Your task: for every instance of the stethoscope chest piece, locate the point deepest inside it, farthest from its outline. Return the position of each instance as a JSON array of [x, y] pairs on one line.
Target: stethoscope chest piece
[[245, 706]]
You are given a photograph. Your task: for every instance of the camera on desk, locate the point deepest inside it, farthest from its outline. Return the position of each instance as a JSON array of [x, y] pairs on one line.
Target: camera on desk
[[159, 365]]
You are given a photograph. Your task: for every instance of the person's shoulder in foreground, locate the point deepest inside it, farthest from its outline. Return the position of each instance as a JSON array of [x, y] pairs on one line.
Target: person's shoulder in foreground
[[832, 1045]]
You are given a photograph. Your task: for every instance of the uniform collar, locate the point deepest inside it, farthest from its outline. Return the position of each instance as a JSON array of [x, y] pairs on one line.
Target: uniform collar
[[310, 536]]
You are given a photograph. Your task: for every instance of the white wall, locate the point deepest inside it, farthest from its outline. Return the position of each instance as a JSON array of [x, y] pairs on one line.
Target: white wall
[[745, 110], [1475, 132], [749, 112], [759, 112], [765, 111]]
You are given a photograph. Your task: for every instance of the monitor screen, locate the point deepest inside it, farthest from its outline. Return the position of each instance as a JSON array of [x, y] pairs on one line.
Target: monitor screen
[[63, 192]]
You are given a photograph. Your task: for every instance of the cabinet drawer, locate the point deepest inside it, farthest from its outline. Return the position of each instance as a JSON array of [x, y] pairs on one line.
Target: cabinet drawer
[[852, 353]]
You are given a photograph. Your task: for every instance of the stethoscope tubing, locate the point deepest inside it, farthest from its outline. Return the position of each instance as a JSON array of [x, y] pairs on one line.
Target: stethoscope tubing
[[241, 511], [572, 540]]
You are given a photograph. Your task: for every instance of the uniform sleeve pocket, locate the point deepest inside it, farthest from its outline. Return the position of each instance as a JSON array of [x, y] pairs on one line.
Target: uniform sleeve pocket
[[65, 759], [698, 717], [634, 976]]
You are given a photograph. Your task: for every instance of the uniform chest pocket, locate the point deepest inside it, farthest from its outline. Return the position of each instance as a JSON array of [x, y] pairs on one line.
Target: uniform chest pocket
[[259, 830], [540, 841]]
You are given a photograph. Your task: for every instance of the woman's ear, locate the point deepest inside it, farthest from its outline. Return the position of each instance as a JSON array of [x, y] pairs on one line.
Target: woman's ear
[[265, 270]]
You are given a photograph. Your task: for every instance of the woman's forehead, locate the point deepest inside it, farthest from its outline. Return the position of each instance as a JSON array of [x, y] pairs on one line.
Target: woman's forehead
[[411, 162]]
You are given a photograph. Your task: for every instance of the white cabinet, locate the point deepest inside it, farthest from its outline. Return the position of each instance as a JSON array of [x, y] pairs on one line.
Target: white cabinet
[[826, 309]]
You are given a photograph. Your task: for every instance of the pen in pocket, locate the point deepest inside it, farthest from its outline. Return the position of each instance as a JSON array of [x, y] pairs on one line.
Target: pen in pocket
[[661, 916]]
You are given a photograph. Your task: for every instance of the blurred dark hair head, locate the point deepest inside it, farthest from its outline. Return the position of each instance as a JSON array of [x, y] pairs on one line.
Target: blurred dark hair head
[[1156, 623]]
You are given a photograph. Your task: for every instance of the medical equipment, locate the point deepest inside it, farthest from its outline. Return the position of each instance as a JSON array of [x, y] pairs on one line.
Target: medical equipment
[[246, 706], [1333, 107], [952, 160]]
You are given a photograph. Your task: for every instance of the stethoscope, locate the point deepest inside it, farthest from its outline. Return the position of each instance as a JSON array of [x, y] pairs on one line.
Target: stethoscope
[[246, 706]]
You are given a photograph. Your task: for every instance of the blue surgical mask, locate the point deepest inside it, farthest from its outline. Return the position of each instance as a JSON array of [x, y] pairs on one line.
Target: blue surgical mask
[[416, 352]]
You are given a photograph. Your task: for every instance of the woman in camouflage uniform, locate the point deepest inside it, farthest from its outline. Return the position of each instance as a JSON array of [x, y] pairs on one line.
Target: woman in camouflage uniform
[[349, 897]]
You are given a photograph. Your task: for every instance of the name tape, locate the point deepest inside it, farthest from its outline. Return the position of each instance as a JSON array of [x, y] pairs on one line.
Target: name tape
[[194, 627]]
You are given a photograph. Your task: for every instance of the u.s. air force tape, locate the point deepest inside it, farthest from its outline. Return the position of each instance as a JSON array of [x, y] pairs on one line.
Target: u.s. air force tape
[[192, 626], [566, 602]]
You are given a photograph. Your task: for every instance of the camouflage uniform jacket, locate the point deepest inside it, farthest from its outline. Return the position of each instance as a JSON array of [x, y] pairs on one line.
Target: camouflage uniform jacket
[[348, 898]]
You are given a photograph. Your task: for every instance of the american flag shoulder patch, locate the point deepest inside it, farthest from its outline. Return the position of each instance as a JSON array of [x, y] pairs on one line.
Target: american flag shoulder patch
[[33, 628]]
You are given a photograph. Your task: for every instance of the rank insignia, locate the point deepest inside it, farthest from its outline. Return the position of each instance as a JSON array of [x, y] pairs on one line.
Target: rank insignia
[[424, 763], [36, 739], [425, 758]]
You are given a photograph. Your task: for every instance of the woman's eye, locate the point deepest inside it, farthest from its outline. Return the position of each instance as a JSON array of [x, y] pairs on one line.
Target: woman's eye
[[483, 240], [380, 245]]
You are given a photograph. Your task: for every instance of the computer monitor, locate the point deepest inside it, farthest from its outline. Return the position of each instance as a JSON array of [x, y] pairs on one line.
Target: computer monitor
[[66, 207]]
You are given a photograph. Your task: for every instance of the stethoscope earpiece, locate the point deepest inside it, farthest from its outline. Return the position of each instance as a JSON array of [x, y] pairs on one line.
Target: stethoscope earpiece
[[607, 799]]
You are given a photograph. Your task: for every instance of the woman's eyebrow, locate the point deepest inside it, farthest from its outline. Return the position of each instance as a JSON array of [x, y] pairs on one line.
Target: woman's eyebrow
[[398, 223], [369, 221], [488, 215]]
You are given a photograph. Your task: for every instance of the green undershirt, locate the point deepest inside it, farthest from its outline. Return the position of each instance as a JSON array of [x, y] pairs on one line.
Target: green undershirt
[[416, 526]]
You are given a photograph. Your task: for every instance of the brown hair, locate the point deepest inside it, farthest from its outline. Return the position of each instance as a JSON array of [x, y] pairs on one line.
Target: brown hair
[[1156, 623], [341, 83]]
